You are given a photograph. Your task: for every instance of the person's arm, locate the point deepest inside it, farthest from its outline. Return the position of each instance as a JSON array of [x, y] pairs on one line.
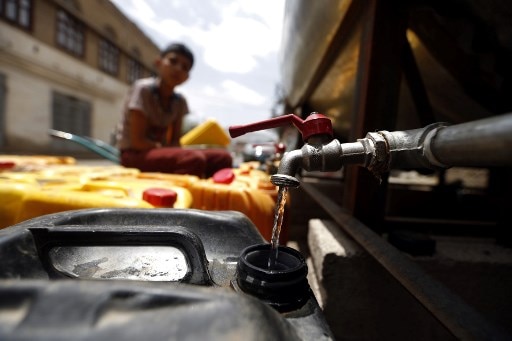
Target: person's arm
[[138, 127], [175, 133], [176, 128]]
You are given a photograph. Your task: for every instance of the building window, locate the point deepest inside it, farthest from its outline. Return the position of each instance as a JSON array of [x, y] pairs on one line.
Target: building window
[[109, 57], [134, 70], [134, 67], [3, 97], [71, 115], [70, 34], [17, 12]]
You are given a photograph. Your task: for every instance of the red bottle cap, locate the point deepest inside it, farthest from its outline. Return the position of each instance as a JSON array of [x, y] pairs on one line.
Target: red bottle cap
[[160, 197], [7, 164], [224, 176], [280, 148]]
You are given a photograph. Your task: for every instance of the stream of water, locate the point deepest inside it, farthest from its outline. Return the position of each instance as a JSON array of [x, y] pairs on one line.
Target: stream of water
[[278, 222]]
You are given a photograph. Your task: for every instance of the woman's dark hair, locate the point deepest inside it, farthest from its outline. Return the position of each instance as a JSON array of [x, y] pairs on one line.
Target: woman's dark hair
[[179, 48]]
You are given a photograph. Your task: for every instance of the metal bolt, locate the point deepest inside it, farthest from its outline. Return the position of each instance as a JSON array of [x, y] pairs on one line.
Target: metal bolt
[[380, 161]]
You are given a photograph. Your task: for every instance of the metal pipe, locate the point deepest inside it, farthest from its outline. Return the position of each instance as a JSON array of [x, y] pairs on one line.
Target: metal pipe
[[407, 149], [481, 143], [486, 142]]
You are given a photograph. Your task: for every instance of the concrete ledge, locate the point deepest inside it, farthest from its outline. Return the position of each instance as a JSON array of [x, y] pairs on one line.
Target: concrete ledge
[[361, 300]]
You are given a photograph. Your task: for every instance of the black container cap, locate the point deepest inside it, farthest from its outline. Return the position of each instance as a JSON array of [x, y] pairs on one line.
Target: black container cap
[[284, 286]]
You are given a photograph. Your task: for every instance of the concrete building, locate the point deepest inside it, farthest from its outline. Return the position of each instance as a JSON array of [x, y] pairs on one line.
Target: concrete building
[[65, 65]]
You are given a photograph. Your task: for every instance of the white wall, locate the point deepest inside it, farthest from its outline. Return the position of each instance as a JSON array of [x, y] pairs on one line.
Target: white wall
[[33, 71]]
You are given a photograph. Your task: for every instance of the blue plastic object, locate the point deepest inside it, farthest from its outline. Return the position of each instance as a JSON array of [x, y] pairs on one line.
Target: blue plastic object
[[96, 146]]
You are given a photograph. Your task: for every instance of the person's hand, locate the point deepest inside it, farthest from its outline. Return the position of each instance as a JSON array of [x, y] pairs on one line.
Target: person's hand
[[158, 145]]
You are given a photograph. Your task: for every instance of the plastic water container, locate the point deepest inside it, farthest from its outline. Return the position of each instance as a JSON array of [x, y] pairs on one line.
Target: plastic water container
[[207, 133], [83, 173], [182, 180], [26, 195], [67, 187], [159, 274], [256, 205], [11, 201], [35, 161], [135, 188], [245, 190], [40, 202]]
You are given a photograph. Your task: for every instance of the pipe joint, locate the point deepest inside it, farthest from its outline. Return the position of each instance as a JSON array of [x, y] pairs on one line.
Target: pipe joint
[[411, 149]]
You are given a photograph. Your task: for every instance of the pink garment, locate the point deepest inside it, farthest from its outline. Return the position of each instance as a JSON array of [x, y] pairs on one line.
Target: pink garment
[[199, 162]]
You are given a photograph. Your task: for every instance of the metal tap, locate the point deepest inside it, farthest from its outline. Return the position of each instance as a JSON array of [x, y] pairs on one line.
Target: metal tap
[[320, 151], [485, 142]]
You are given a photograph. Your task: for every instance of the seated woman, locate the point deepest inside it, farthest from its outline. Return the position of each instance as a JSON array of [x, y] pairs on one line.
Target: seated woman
[[149, 133]]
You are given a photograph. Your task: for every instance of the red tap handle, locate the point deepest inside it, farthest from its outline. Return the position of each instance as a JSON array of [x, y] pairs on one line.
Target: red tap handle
[[314, 124]]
